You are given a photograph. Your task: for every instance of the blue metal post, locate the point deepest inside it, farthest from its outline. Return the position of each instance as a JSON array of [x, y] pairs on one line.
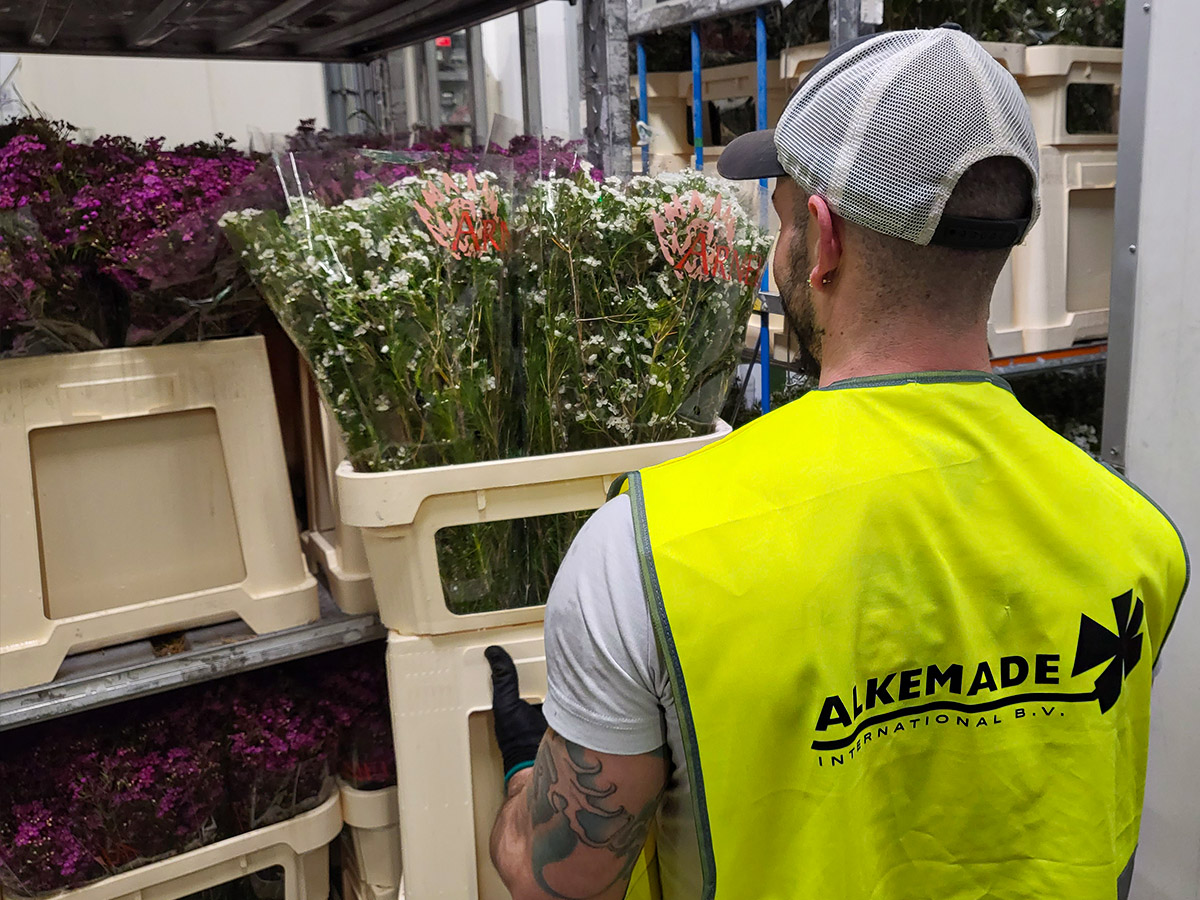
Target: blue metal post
[[760, 28], [697, 99], [643, 103]]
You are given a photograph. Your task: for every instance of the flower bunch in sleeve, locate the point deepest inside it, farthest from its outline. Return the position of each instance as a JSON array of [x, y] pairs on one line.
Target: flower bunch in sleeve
[[634, 300], [356, 697], [397, 300]]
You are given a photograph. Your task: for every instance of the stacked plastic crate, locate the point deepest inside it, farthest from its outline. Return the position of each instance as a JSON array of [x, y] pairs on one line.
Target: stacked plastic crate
[[1054, 291], [1059, 289], [449, 771], [333, 548], [669, 101], [144, 490]]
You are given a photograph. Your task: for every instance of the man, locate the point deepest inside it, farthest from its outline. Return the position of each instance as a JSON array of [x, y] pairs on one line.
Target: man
[[894, 640]]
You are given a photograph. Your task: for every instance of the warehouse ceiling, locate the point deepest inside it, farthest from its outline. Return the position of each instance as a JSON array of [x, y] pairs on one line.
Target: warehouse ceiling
[[328, 30]]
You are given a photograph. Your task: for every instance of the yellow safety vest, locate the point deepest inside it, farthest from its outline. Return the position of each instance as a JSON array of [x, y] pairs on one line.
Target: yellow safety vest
[[910, 633]]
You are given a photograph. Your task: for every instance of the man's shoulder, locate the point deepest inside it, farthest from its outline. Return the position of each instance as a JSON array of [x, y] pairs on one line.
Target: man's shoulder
[[607, 536], [599, 580]]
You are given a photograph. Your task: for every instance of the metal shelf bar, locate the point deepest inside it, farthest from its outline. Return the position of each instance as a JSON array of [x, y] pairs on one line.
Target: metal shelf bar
[[1053, 359], [643, 105], [104, 677], [697, 100], [760, 45]]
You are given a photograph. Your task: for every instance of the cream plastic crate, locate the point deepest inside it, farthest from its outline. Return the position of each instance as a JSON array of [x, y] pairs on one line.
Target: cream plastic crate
[[451, 779], [332, 547], [371, 845], [143, 490], [666, 115], [354, 888], [300, 846], [1046, 78], [669, 96], [1060, 276], [400, 512], [796, 62]]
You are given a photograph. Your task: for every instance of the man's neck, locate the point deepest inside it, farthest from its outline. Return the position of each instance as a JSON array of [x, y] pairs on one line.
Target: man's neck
[[897, 349]]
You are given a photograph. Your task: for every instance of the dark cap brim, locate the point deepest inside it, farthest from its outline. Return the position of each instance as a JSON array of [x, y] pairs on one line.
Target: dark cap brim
[[751, 156]]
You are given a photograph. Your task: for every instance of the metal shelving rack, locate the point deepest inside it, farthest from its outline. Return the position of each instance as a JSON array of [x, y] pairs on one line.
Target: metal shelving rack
[[354, 31], [845, 24], [125, 672]]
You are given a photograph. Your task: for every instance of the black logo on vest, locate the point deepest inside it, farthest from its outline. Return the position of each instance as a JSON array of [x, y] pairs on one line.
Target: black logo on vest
[[1121, 650], [1118, 651]]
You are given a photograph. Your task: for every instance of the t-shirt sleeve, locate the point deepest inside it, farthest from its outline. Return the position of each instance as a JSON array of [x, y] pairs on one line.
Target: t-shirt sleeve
[[602, 668]]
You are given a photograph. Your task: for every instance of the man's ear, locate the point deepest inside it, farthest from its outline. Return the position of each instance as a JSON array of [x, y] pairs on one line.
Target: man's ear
[[827, 228]]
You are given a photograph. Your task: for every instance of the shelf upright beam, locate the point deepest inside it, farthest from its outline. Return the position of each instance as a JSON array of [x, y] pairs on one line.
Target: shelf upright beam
[[531, 73], [697, 99], [335, 99], [606, 85], [1126, 217], [478, 72], [643, 105], [843, 21], [1152, 413], [433, 84], [760, 36]]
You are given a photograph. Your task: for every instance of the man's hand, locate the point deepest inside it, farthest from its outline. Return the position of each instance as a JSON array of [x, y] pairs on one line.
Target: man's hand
[[519, 724]]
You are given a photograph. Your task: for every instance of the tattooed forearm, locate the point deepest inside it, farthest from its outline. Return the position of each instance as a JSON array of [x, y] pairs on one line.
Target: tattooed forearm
[[579, 824]]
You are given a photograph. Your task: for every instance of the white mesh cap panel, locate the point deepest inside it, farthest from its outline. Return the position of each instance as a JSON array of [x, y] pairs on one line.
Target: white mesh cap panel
[[885, 131]]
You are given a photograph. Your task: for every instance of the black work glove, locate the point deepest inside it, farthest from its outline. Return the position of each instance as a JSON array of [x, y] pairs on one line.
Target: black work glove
[[519, 724]]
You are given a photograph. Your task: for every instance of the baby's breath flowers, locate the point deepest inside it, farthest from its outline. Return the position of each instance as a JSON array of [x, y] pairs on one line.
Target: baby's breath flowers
[[407, 326], [446, 323], [639, 347]]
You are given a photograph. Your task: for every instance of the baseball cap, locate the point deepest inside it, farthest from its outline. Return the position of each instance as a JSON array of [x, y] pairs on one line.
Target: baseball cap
[[883, 128]]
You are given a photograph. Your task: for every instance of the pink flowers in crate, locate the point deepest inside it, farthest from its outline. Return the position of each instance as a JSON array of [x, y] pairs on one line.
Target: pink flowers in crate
[[89, 232], [357, 699], [96, 794], [44, 853], [280, 757]]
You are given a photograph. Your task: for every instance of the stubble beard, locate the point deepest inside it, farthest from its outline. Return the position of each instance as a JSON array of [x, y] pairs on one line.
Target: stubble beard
[[796, 295]]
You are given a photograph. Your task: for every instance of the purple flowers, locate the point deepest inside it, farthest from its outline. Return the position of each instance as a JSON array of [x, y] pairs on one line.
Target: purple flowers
[[98, 793], [116, 242], [46, 850], [281, 747], [357, 700], [88, 233]]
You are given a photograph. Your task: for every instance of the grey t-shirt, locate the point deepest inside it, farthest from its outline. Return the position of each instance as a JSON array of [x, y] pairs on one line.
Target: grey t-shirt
[[606, 686]]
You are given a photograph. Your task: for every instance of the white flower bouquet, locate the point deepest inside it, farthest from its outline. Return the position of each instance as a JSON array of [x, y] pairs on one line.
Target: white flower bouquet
[[443, 331], [634, 300], [398, 302]]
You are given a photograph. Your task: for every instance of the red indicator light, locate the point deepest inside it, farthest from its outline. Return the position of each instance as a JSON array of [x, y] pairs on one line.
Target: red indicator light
[[441, 42]]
